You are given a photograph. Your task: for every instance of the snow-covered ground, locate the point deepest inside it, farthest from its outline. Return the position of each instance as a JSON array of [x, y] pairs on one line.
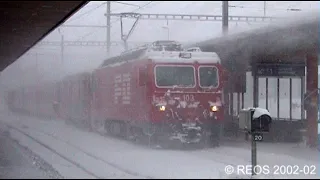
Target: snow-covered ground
[[17, 162], [94, 156]]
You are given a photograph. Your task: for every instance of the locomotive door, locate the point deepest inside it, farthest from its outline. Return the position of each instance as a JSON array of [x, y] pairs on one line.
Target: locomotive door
[[145, 88], [143, 83]]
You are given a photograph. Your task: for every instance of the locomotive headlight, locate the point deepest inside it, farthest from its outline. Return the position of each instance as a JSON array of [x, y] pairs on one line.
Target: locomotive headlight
[[162, 108], [214, 108]]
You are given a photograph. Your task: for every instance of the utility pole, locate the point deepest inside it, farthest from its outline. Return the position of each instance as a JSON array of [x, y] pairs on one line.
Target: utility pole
[[264, 7], [167, 29], [225, 17], [37, 65], [61, 46], [225, 24], [267, 79], [108, 27], [62, 49]]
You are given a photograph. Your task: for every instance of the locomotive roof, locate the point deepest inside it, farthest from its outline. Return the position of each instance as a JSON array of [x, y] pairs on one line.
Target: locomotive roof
[[76, 76], [162, 57]]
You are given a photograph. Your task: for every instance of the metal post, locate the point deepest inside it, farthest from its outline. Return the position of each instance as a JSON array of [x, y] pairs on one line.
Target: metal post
[[267, 93], [231, 104], [253, 154], [253, 148], [242, 100], [302, 97], [278, 98], [255, 91], [290, 97], [108, 27], [225, 15], [238, 103]]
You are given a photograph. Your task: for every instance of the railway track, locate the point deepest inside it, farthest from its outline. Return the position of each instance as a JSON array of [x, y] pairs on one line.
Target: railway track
[[215, 155], [190, 151], [78, 165]]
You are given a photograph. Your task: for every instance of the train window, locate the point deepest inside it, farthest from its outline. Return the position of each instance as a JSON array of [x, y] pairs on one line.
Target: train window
[[143, 75], [181, 76], [208, 76]]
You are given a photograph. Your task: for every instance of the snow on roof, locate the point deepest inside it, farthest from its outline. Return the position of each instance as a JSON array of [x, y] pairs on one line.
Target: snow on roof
[[258, 112], [174, 56], [162, 57]]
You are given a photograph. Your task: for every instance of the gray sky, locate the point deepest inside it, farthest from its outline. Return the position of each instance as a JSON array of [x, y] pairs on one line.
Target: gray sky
[[44, 62]]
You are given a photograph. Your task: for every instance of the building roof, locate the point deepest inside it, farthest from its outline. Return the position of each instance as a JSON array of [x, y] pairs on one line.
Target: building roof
[[24, 23], [267, 44]]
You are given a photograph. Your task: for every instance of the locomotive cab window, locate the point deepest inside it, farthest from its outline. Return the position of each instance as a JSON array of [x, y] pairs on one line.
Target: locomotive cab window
[[181, 76], [208, 76]]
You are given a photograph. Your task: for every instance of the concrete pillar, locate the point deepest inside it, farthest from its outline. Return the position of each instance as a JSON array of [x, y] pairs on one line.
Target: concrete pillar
[[312, 108]]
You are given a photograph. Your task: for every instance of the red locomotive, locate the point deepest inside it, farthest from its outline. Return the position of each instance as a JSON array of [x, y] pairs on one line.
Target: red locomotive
[[160, 91]]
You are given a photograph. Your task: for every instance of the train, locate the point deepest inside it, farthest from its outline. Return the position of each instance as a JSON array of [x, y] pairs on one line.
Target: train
[[159, 91]]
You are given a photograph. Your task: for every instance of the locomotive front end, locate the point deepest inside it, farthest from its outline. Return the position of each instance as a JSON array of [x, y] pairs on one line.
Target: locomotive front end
[[186, 93], [187, 102], [188, 117]]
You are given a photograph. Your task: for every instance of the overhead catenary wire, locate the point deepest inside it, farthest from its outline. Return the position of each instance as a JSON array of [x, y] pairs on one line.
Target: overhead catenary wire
[[141, 7], [278, 9], [117, 20], [129, 4], [135, 10], [97, 7], [87, 12], [289, 8]]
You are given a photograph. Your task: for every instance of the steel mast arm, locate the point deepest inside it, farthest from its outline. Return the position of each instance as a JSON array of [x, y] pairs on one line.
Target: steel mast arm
[[126, 37], [133, 27]]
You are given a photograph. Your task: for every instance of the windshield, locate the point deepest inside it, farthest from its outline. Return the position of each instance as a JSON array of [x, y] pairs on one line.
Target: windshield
[[174, 75], [208, 76]]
